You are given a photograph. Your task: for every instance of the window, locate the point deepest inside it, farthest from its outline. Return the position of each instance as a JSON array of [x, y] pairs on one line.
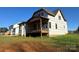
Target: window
[[49, 24], [59, 17], [55, 26], [38, 14], [42, 14]]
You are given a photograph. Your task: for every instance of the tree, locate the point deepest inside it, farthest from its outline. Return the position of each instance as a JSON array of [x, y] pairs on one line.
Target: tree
[[2, 30], [78, 29]]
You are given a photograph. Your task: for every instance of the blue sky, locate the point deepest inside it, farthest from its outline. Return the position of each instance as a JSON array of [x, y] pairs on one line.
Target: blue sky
[[12, 15]]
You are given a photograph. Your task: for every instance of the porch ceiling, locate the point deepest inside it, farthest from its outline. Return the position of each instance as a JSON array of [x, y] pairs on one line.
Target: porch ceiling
[[33, 19]]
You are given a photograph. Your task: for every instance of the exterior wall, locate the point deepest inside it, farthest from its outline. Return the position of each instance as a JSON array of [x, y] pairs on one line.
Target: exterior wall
[[18, 30], [11, 31], [16, 27], [23, 32], [61, 25]]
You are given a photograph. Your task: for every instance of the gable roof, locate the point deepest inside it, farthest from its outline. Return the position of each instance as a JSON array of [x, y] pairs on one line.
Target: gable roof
[[11, 26], [56, 11], [48, 12], [51, 13]]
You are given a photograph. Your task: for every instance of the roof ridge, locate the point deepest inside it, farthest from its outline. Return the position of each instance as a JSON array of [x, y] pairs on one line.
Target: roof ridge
[[48, 11]]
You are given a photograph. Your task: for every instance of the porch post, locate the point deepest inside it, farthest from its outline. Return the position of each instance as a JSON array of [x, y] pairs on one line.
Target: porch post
[[41, 26]]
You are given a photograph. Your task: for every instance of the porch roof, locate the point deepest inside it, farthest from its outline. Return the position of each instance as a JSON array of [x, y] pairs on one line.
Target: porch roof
[[37, 17]]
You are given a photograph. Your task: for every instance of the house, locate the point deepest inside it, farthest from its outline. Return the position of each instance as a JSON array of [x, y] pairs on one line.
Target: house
[[22, 28], [14, 29], [43, 22], [18, 29]]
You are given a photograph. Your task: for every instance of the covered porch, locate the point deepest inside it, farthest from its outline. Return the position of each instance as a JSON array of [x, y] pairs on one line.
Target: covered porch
[[38, 26]]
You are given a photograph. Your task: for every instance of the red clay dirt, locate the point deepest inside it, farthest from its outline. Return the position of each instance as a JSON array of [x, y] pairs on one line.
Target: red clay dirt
[[27, 47]]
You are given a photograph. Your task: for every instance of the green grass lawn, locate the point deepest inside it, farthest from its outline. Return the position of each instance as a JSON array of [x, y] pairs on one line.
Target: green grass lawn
[[69, 41]]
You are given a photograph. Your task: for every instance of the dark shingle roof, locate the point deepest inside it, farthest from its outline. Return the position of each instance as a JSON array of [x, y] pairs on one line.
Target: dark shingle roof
[[50, 13], [55, 12]]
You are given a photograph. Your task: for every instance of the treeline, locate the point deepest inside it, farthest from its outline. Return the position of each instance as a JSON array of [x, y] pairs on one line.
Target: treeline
[[75, 31], [3, 30]]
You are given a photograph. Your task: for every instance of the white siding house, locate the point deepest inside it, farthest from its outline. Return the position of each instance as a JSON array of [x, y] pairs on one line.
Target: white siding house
[[22, 28], [14, 29], [42, 22], [18, 29], [58, 24]]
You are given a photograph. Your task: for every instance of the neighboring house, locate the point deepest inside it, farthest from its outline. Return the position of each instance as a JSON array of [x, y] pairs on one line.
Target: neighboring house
[[22, 28], [43, 22], [14, 29], [18, 29]]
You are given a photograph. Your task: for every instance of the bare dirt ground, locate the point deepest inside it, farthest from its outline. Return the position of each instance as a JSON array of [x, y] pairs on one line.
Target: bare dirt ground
[[65, 43], [27, 47]]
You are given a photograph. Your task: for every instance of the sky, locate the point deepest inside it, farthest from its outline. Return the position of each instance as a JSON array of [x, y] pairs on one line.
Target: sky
[[13, 15]]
